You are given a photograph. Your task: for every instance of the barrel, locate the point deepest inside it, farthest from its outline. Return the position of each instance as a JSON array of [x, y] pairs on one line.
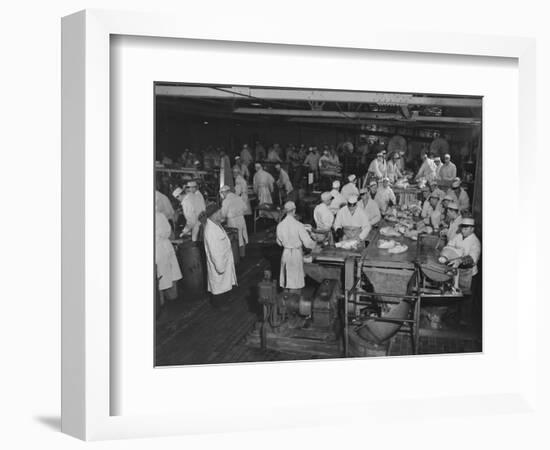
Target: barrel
[[233, 234], [190, 258]]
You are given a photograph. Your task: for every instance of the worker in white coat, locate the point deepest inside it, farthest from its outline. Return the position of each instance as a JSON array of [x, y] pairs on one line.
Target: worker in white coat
[[233, 209], [263, 185], [394, 168], [431, 212], [369, 205], [427, 169], [455, 218], [378, 167], [460, 196], [338, 199], [168, 269], [384, 195], [448, 169], [241, 189], [351, 221], [220, 265], [468, 242], [322, 213], [192, 205], [350, 188], [283, 183], [292, 235]]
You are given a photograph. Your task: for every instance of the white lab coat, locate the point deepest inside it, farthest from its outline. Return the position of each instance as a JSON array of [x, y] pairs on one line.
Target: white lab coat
[[233, 209], [292, 235], [220, 264], [284, 181], [383, 197], [463, 200], [168, 269], [427, 170], [241, 189], [447, 171], [358, 219], [372, 210], [378, 168], [323, 217], [263, 186], [348, 190], [471, 247], [163, 205], [394, 171], [192, 205], [337, 201]]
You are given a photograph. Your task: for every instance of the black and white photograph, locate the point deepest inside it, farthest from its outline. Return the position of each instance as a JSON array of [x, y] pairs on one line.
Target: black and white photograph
[[301, 223]]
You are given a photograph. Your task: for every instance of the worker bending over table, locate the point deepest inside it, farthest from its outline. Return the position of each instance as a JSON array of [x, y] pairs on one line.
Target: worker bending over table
[[292, 236], [351, 221], [385, 196], [350, 188], [322, 214], [460, 196], [455, 218]]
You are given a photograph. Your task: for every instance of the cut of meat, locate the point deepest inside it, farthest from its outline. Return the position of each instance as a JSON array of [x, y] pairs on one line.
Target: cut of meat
[[399, 248], [382, 243]]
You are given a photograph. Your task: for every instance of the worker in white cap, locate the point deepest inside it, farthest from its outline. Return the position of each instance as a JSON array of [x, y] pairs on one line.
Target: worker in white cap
[[338, 199], [351, 221], [448, 169], [241, 189], [263, 185], [322, 213], [292, 236], [350, 188], [431, 213], [220, 263], [378, 167], [368, 204], [167, 266], [233, 210], [385, 196], [394, 167], [283, 183], [427, 169], [460, 196], [455, 218], [192, 205], [468, 242]]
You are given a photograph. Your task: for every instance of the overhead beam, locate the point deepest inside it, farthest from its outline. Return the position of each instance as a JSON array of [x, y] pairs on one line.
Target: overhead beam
[[310, 95], [402, 122], [355, 115]]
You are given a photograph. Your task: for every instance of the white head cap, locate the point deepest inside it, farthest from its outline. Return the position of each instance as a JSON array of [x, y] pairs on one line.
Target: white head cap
[[453, 205], [191, 184], [468, 222], [455, 183], [290, 206], [352, 178], [352, 199], [336, 184], [225, 188], [326, 196]]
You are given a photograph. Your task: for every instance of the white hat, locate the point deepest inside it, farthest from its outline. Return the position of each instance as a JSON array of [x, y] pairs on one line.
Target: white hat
[[363, 191], [352, 199], [191, 184], [225, 188], [385, 179], [335, 184], [380, 154], [197, 162], [352, 178], [290, 206], [437, 158], [435, 195], [237, 157], [177, 192], [326, 196], [453, 205], [455, 183], [446, 155], [467, 222], [373, 183], [449, 197]]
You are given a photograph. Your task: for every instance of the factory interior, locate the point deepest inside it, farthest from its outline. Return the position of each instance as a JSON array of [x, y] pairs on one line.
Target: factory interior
[[408, 282]]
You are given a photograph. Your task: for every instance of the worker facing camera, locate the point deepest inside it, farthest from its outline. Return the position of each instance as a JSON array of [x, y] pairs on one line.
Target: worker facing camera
[[351, 221]]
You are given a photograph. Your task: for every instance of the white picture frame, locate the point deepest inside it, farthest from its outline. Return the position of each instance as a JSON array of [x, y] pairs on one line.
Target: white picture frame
[[86, 288]]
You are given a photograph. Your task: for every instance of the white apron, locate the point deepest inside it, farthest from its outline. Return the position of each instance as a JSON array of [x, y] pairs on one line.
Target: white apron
[[292, 269], [240, 224], [168, 269], [220, 264]]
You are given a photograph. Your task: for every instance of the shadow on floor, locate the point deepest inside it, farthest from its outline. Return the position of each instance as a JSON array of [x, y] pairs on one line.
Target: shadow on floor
[[51, 422]]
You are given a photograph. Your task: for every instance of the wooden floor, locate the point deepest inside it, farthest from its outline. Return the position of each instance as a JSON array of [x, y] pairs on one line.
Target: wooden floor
[[191, 331]]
